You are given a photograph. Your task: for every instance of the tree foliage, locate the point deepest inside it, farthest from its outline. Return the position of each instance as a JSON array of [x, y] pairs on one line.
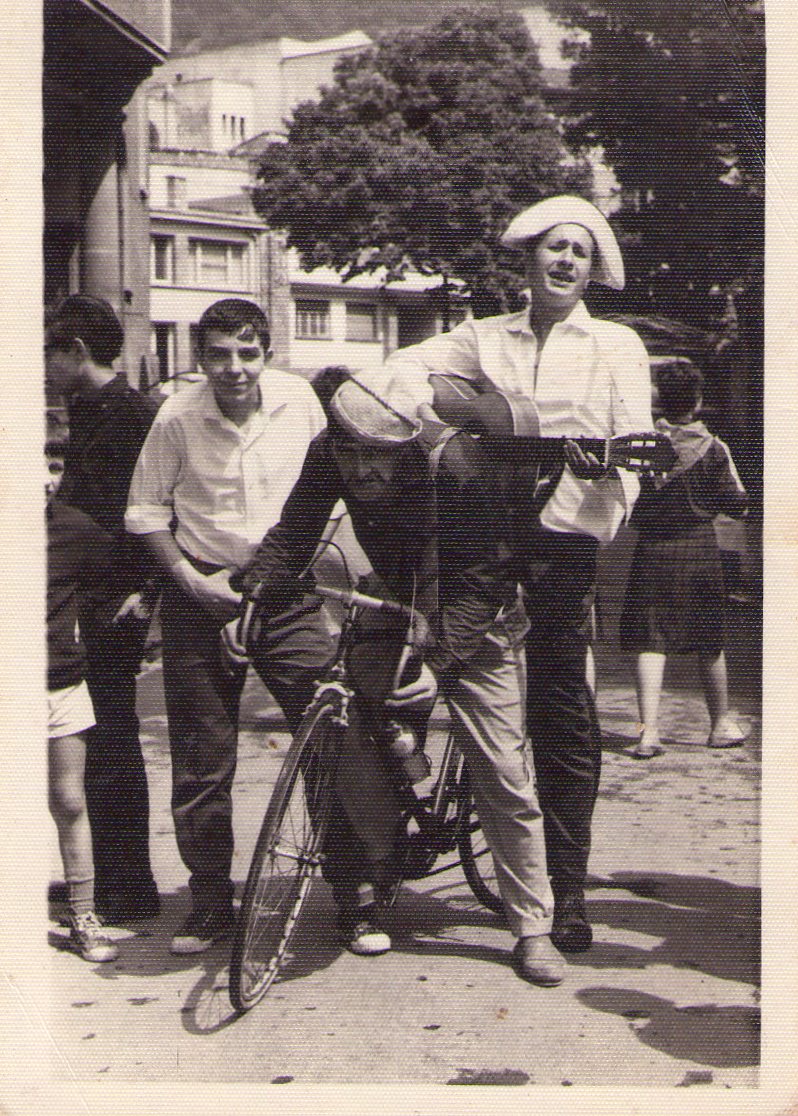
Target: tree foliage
[[419, 154], [675, 95]]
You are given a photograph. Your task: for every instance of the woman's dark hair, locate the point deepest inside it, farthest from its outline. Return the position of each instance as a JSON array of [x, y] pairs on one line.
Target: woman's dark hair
[[231, 315], [93, 321], [680, 387]]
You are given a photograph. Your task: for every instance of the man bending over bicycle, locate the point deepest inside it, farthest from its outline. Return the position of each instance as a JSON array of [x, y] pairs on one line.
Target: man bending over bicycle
[[423, 508]]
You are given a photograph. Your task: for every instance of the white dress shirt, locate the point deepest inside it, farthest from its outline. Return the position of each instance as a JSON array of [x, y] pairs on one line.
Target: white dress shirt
[[591, 378], [224, 484]]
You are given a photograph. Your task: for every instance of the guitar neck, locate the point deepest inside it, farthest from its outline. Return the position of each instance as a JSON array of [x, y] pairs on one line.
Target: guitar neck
[[529, 450]]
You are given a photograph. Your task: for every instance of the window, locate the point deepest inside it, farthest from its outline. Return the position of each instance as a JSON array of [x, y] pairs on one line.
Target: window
[[361, 322], [162, 259], [312, 318], [162, 345], [175, 192], [219, 263]]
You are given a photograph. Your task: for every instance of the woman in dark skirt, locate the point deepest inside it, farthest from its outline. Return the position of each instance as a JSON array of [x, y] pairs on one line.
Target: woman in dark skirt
[[675, 596]]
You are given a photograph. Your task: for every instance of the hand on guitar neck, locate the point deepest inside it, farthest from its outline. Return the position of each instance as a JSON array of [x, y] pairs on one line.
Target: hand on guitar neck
[[488, 414]]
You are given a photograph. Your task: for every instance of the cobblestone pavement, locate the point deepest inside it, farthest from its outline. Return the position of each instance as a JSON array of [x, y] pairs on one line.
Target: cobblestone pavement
[[667, 996]]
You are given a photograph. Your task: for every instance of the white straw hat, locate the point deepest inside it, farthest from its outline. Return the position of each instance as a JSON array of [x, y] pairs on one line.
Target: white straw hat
[[568, 209], [367, 417]]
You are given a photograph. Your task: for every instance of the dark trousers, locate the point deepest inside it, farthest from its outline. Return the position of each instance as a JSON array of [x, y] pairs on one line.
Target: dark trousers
[[558, 573], [202, 705], [117, 797]]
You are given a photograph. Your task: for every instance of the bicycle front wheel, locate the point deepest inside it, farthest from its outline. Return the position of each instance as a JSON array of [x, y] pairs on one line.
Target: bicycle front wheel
[[286, 856], [475, 854]]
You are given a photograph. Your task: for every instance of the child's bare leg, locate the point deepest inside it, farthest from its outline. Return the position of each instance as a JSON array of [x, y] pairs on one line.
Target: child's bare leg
[[649, 672], [66, 758], [716, 685], [726, 731], [66, 763]]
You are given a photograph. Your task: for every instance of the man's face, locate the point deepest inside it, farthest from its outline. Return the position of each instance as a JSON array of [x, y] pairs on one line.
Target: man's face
[[233, 363], [61, 366], [558, 267], [54, 472], [368, 472]]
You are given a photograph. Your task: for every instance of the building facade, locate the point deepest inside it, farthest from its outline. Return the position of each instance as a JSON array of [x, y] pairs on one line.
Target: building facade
[[96, 218], [208, 116]]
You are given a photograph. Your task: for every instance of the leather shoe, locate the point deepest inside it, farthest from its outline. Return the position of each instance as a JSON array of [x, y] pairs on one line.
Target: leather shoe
[[538, 961], [570, 930]]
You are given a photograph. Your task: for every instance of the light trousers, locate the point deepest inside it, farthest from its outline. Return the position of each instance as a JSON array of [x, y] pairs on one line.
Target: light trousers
[[486, 704]]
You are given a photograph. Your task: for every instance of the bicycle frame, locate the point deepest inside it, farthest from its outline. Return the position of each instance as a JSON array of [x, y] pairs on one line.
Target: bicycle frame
[[439, 834]]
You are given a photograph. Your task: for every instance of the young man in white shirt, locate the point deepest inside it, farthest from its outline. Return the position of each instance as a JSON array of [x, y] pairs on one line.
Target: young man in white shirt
[[560, 373], [220, 460]]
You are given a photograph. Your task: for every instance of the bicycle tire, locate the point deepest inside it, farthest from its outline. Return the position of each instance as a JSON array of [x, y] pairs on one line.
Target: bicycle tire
[[475, 854], [286, 856]]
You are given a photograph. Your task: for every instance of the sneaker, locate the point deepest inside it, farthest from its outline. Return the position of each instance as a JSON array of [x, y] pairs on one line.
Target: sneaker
[[571, 930], [538, 961], [361, 932], [201, 929], [86, 938]]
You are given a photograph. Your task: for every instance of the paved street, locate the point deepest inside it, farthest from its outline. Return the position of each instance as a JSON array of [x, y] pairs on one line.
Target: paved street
[[667, 996]]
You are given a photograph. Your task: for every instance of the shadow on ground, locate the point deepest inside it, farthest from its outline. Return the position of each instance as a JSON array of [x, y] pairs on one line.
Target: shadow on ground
[[706, 924], [708, 1034]]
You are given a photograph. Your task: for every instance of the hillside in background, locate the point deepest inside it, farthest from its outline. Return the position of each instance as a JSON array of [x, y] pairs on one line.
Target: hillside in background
[[203, 24]]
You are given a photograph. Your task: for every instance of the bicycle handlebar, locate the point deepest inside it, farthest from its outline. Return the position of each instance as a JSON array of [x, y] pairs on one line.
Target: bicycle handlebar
[[352, 596], [346, 596]]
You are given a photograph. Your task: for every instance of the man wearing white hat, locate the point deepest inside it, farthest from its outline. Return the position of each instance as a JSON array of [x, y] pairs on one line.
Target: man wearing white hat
[[555, 371]]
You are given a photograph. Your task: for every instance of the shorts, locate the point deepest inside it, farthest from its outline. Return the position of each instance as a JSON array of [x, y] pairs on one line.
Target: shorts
[[70, 711]]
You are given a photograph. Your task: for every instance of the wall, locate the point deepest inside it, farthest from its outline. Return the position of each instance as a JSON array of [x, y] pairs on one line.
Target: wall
[[203, 181], [277, 81], [310, 355]]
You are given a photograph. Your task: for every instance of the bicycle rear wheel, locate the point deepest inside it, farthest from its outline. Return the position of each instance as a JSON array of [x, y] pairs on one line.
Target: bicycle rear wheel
[[286, 856], [475, 855]]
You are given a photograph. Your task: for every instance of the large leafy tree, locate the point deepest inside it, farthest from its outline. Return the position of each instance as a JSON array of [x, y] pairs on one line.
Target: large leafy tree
[[420, 152]]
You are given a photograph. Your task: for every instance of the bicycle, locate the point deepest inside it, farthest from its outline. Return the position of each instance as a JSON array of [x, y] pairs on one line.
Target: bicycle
[[288, 851]]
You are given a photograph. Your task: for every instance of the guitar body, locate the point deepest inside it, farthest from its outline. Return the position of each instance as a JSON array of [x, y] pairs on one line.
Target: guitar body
[[461, 402]]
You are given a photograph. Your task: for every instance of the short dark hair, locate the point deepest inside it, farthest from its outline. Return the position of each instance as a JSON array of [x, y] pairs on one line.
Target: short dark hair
[[230, 315], [326, 382], [92, 320], [680, 386]]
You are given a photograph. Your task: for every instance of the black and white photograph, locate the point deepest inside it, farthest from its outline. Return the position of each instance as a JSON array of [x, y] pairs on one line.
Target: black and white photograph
[[397, 433]]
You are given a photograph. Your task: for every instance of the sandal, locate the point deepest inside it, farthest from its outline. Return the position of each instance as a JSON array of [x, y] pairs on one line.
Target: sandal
[[644, 749], [728, 733]]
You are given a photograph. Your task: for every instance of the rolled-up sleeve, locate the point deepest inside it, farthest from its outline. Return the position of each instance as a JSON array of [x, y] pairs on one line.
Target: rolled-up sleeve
[[151, 499]]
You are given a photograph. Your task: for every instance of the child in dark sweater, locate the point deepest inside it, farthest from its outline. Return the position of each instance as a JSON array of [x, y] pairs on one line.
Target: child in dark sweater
[[675, 596], [78, 552]]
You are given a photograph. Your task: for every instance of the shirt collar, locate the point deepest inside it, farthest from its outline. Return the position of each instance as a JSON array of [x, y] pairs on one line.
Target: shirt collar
[[272, 400], [578, 319]]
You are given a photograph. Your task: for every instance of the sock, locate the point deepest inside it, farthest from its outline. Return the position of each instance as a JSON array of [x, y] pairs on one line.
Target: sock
[[80, 896]]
